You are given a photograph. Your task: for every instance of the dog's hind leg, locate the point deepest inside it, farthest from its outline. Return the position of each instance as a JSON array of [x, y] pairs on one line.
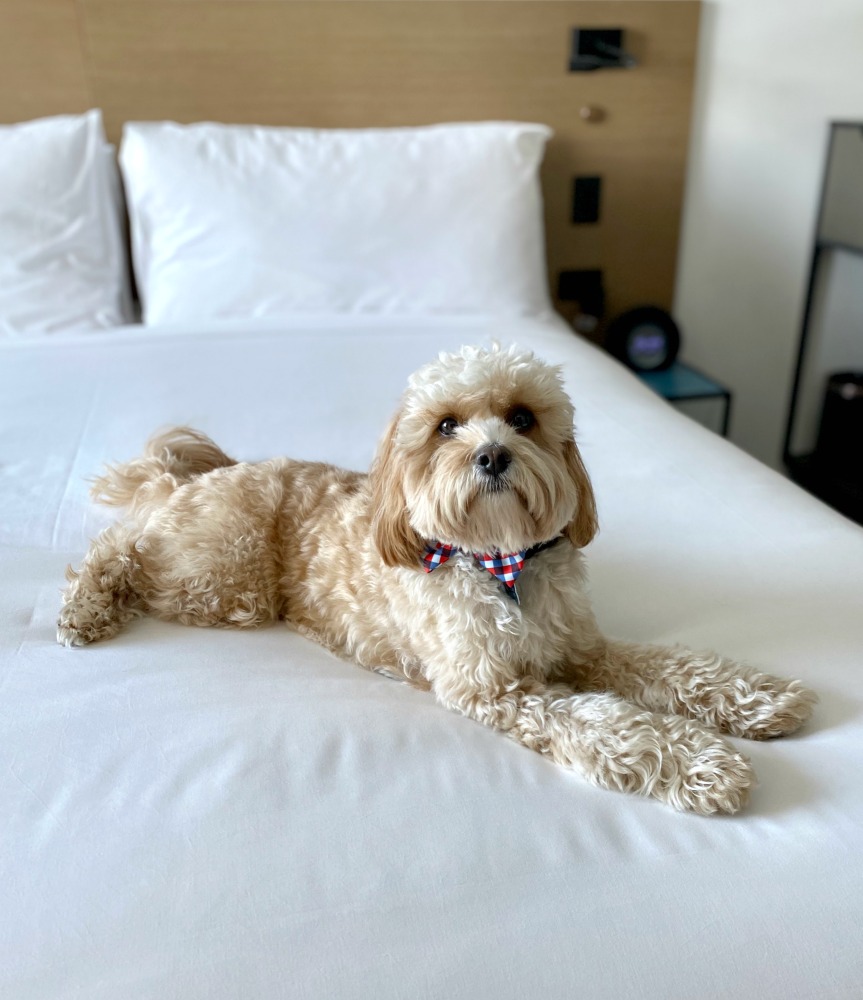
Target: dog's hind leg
[[101, 596]]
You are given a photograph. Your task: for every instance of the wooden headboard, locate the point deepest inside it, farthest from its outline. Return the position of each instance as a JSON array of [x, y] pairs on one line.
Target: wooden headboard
[[398, 62]]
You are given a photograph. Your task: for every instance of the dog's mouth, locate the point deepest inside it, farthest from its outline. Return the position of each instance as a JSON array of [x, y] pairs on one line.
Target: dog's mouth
[[494, 514], [489, 488], [495, 484]]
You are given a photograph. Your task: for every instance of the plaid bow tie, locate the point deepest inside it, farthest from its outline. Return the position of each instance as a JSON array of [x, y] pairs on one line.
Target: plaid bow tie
[[504, 568]]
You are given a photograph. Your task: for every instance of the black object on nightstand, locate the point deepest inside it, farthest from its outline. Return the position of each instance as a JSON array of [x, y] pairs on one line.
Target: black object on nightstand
[[834, 470], [682, 382], [645, 339]]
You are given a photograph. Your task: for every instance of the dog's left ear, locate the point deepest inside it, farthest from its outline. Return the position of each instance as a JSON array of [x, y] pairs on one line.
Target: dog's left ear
[[585, 524], [396, 540]]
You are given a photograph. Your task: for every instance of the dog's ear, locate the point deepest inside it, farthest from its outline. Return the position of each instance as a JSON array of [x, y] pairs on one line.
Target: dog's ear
[[396, 540], [584, 525]]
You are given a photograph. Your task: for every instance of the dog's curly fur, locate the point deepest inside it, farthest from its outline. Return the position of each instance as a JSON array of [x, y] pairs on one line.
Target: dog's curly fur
[[209, 541]]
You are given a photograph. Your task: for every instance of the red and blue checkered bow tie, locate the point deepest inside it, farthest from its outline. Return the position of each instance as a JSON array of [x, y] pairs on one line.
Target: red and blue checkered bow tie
[[504, 568]]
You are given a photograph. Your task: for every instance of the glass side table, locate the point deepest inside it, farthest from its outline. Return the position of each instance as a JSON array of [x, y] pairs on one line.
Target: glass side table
[[682, 383]]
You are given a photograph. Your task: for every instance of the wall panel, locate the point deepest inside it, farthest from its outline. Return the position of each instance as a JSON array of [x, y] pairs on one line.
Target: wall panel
[[397, 62]]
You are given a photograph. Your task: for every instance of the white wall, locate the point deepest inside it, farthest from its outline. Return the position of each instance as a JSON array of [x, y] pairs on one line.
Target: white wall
[[771, 75]]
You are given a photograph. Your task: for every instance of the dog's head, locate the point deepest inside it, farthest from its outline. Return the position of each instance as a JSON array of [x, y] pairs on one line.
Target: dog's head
[[481, 456]]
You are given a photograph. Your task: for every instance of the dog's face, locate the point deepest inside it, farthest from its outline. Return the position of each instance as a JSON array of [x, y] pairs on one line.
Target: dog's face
[[480, 456]]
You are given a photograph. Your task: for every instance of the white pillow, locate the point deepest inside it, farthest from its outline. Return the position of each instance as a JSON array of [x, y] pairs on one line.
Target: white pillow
[[236, 221], [62, 255]]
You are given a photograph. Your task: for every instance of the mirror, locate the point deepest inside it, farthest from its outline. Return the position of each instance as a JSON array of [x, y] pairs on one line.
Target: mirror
[[841, 218], [832, 335]]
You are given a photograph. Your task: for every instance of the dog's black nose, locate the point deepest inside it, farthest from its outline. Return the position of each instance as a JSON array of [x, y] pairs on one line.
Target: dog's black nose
[[493, 459]]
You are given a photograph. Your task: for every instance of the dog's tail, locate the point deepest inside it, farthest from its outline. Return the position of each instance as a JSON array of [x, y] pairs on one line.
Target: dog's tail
[[174, 457]]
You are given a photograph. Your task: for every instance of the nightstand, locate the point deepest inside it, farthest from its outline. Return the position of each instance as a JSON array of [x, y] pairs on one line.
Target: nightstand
[[682, 383]]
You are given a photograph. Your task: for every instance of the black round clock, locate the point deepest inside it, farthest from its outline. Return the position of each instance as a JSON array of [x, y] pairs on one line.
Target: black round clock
[[646, 339]]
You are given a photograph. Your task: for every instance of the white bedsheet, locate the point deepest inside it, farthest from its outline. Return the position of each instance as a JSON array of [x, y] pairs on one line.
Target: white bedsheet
[[202, 814]]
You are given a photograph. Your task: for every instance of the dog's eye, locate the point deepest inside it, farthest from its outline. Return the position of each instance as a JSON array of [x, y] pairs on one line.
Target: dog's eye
[[447, 426], [521, 419]]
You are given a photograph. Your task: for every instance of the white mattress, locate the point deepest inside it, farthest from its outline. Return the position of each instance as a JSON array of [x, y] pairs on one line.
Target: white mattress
[[198, 814]]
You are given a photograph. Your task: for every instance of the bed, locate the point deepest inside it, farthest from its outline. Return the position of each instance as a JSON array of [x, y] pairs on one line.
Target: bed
[[195, 813]]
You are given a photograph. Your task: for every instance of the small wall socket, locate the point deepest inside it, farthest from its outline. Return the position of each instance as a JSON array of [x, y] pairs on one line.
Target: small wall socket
[[585, 288]]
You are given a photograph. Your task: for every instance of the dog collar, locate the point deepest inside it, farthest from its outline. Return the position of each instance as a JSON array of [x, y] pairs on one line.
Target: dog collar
[[505, 567]]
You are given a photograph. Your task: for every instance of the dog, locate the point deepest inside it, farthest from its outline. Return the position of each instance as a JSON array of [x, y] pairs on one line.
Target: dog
[[455, 564]]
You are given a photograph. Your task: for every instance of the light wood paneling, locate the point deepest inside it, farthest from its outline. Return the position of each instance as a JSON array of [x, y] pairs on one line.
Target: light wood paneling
[[396, 62], [41, 60]]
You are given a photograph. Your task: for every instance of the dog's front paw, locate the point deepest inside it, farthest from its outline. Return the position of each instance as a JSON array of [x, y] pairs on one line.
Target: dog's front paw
[[675, 760], [703, 773], [761, 707]]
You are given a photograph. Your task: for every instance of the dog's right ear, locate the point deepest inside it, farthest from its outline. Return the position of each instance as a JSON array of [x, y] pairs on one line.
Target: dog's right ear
[[396, 540], [584, 525]]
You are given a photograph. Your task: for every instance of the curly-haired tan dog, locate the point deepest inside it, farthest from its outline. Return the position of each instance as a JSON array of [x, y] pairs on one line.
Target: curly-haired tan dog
[[480, 460]]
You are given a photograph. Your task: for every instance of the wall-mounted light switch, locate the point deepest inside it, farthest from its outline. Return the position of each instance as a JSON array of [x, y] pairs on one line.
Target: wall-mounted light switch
[[598, 48], [585, 199]]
